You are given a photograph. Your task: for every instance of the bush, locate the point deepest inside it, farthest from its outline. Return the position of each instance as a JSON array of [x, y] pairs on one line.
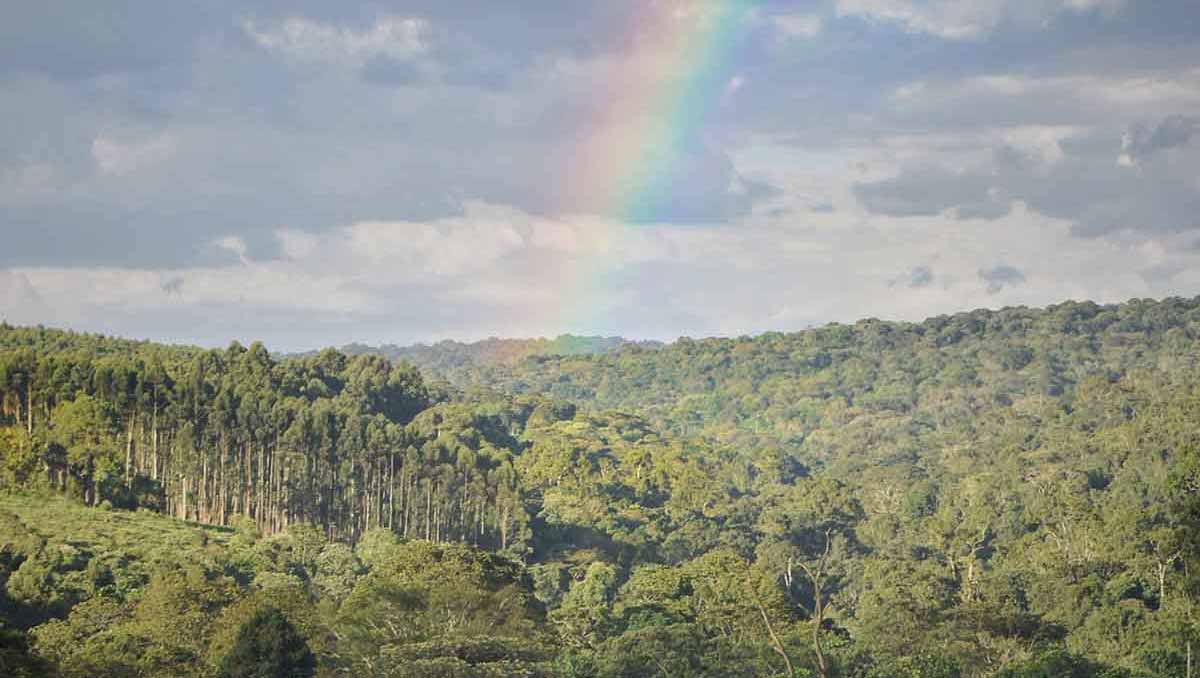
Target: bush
[[268, 646]]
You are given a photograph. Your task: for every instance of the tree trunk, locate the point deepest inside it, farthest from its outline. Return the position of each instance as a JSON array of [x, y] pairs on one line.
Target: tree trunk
[[391, 492], [222, 484], [1162, 585], [428, 509], [775, 641], [91, 471], [818, 620], [181, 510], [503, 527], [154, 438], [129, 452], [202, 493], [287, 495], [816, 575], [332, 515], [353, 503]]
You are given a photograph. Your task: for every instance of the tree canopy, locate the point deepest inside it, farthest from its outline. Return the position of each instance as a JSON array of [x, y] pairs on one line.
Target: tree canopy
[[1006, 493]]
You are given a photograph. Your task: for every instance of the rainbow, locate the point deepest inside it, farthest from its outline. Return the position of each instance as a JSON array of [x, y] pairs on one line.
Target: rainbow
[[650, 120]]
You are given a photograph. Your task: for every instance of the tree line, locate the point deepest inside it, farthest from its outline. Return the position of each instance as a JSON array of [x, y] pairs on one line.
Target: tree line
[[209, 435]]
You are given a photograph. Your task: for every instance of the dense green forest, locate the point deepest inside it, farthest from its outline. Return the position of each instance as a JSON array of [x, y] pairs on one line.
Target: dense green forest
[[997, 493], [455, 360]]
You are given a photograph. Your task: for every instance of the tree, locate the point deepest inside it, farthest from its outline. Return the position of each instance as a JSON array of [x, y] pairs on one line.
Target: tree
[[85, 429], [268, 646], [18, 458], [801, 527], [16, 660], [1184, 492], [585, 614]]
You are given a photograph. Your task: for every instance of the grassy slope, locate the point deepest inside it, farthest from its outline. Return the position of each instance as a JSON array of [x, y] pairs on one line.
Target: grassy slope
[[61, 552]]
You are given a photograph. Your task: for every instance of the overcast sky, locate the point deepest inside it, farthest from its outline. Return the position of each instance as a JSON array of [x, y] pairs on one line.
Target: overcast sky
[[315, 173]]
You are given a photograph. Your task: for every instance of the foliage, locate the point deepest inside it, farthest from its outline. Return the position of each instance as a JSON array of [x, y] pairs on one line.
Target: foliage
[[1006, 493], [268, 646]]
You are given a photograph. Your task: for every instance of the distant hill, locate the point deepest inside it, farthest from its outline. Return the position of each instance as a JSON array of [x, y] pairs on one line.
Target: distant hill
[[50, 340], [809, 390], [451, 359]]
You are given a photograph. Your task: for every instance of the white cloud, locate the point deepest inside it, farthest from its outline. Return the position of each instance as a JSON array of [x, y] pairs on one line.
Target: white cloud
[[491, 260], [235, 246], [1060, 100], [1041, 142], [395, 37], [16, 291], [799, 25], [26, 181], [969, 19], [119, 158], [1107, 7], [951, 19], [496, 270], [1141, 142]]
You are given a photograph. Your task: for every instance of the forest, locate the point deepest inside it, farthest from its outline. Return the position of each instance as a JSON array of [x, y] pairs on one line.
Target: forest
[[448, 358], [1010, 493]]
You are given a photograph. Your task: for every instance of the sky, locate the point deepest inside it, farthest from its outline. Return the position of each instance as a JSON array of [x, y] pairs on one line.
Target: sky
[[313, 173]]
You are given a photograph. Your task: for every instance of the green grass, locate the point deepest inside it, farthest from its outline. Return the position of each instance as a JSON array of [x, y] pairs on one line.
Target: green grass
[[62, 520]]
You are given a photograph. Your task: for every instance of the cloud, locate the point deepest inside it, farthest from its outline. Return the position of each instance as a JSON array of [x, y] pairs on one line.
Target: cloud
[[920, 276], [927, 191], [969, 19], [121, 158], [388, 71], [328, 172], [991, 100], [233, 245], [75, 42], [443, 276], [915, 278], [229, 250], [173, 285], [17, 290], [392, 37], [1106, 7], [1071, 175], [25, 180], [799, 25], [1141, 142], [496, 270], [1001, 276], [239, 141], [951, 20]]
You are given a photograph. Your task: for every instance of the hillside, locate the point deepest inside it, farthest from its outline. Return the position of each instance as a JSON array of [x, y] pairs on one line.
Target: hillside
[[808, 390], [134, 594], [1006, 492], [49, 340], [451, 360]]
